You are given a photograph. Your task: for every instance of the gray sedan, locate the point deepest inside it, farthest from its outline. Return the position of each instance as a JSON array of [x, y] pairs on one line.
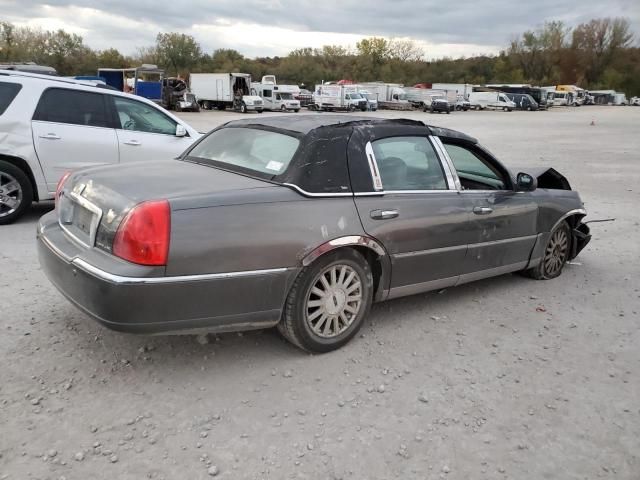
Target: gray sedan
[[300, 223]]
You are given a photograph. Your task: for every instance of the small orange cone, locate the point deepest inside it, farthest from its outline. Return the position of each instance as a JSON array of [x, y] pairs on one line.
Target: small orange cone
[[593, 122]]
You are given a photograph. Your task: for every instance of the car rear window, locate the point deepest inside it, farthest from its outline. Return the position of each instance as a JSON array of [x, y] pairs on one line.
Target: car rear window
[[8, 92], [251, 150]]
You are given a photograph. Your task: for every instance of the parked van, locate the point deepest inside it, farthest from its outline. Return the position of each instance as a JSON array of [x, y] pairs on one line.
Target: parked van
[[276, 97], [496, 100], [523, 101], [563, 99]]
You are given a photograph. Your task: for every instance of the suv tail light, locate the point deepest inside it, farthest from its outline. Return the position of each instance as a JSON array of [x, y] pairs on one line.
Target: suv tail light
[[143, 235], [60, 186]]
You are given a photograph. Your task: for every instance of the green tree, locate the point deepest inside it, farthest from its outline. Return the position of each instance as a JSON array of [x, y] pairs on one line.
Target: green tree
[[177, 52]]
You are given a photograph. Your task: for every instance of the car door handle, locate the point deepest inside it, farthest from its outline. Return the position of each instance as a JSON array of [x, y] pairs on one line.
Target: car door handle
[[482, 210], [50, 136], [135, 143], [384, 214]]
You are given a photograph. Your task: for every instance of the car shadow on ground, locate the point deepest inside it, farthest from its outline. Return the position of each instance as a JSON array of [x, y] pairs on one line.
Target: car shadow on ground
[[35, 212]]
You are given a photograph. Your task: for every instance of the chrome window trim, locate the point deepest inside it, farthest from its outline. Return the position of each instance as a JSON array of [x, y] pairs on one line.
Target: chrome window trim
[[122, 280], [445, 159], [317, 194], [373, 167]]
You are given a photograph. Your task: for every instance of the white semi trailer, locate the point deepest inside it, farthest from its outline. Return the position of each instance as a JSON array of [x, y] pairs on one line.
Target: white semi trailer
[[389, 95], [463, 89], [225, 90]]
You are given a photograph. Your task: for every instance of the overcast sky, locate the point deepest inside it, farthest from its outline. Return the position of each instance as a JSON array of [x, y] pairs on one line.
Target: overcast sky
[[275, 27]]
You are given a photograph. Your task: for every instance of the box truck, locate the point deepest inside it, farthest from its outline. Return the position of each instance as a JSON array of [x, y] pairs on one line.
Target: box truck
[[463, 89], [338, 97], [495, 100], [276, 97], [222, 90], [388, 95]]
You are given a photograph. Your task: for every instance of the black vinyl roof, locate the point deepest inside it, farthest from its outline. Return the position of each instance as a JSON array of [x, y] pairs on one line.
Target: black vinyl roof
[[306, 123]]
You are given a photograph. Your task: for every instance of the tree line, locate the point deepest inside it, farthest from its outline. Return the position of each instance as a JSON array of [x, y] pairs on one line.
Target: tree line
[[597, 54]]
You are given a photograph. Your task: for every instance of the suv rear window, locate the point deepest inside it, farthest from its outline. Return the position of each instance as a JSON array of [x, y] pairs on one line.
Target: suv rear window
[[8, 92], [61, 105]]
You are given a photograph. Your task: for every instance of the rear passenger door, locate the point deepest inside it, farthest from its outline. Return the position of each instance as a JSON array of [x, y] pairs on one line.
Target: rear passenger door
[[409, 203], [71, 129]]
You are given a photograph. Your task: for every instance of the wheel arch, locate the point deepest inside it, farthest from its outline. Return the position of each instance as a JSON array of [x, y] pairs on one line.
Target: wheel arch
[[24, 166], [370, 249]]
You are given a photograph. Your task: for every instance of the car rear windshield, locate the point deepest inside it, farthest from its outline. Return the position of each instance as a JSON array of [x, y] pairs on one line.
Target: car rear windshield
[[8, 92], [249, 150]]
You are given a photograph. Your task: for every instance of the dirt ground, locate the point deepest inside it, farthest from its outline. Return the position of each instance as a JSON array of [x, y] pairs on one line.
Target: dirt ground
[[502, 378]]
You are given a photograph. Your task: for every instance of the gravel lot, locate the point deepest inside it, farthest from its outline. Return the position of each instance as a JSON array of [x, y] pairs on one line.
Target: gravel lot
[[502, 378]]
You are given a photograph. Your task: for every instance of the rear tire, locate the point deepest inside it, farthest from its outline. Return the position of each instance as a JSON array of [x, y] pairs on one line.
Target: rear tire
[[328, 302], [16, 193], [556, 254]]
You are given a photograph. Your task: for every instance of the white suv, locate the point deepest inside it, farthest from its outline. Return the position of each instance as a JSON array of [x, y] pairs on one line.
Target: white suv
[[51, 125]]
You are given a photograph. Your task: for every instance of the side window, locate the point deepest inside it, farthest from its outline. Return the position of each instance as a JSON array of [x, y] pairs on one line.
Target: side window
[[475, 173], [75, 107], [8, 92], [266, 93], [140, 117], [408, 163]]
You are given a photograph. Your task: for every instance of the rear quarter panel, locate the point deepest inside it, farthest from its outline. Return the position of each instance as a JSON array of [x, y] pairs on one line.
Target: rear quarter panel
[[258, 235]]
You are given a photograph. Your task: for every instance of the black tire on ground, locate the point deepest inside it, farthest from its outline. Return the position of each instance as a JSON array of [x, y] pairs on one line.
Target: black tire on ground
[[555, 255], [206, 105], [22, 193], [297, 324], [283, 108], [243, 108], [296, 110]]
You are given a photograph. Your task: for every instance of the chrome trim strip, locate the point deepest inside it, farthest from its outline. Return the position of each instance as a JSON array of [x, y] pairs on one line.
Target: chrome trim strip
[[504, 240], [445, 161], [118, 279], [349, 240], [400, 192], [315, 194], [442, 151], [430, 251], [414, 288], [570, 213], [491, 272], [373, 167], [52, 247]]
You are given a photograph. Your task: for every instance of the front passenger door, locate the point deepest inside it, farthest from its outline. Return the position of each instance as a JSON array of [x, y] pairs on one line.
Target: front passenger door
[[145, 132], [503, 221]]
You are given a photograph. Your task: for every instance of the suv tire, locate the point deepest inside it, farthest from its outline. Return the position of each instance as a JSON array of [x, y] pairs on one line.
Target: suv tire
[[16, 192]]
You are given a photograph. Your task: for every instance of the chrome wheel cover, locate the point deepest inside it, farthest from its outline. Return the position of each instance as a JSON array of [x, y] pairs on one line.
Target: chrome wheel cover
[[556, 252], [334, 300], [10, 194]]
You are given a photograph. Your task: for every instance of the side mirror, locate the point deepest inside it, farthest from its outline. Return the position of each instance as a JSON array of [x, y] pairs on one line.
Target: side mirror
[[181, 131], [526, 182]]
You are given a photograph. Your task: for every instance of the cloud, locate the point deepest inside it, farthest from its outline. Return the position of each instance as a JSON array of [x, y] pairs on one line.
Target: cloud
[[274, 27]]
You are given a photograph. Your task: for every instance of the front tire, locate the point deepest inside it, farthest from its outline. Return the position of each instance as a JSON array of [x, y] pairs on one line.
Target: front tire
[[16, 193], [328, 302], [556, 254], [243, 108]]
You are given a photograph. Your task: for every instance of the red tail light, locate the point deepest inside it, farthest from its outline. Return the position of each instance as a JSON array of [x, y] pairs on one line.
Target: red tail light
[[60, 186], [143, 235]]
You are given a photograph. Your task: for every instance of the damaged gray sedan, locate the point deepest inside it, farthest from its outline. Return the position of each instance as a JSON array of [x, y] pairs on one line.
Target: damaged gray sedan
[[300, 223]]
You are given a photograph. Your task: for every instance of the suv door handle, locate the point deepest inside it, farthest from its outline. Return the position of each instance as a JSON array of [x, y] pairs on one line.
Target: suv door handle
[[135, 143], [384, 214], [482, 210], [50, 136]]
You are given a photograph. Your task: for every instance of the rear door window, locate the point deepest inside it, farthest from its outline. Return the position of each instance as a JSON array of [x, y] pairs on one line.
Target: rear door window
[[408, 163], [8, 92], [74, 107]]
